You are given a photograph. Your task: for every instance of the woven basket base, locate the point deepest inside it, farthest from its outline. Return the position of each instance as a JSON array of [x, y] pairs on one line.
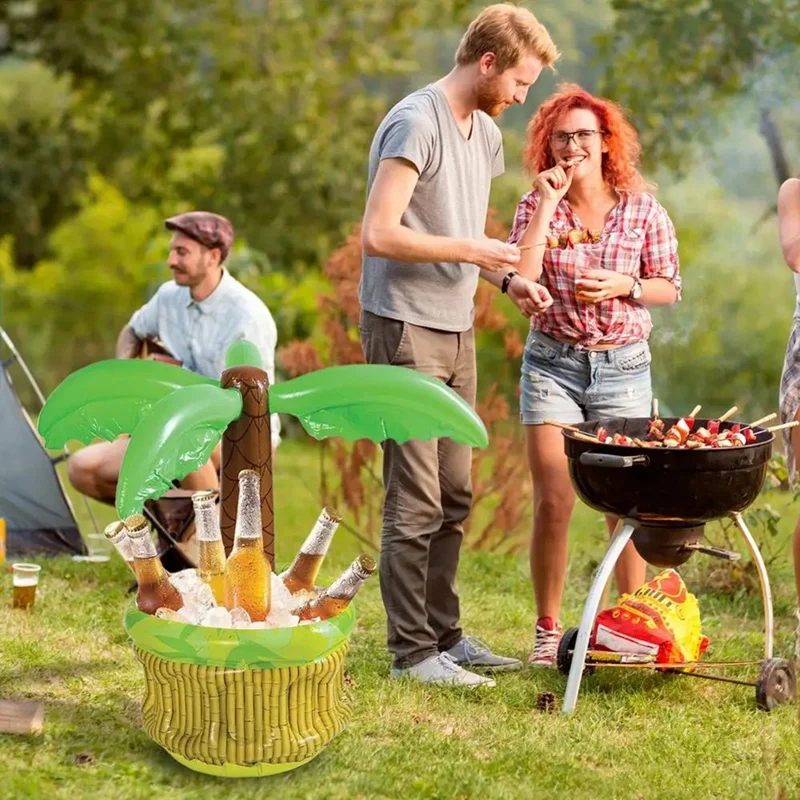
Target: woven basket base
[[261, 770]]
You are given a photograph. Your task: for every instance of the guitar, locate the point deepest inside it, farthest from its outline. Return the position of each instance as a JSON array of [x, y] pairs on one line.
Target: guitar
[[155, 350]]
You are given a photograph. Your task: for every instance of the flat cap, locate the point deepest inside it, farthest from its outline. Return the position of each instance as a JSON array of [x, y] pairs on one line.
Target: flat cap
[[211, 230]]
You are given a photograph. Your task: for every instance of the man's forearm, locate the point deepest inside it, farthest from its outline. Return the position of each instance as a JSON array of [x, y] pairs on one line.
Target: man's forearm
[[401, 243], [129, 344], [495, 278]]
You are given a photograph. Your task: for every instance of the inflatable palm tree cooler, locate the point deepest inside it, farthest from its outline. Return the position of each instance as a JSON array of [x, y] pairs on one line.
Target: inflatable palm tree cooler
[[226, 701]]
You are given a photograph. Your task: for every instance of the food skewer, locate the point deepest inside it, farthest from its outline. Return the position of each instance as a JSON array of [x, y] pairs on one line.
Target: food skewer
[[655, 408], [762, 419], [729, 413], [791, 424], [572, 429], [695, 411], [530, 246]]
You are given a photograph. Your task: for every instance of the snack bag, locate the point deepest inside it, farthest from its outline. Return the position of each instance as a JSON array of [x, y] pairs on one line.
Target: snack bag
[[660, 619]]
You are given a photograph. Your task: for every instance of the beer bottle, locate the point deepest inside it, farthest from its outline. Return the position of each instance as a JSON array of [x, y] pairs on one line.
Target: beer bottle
[[302, 574], [155, 589], [211, 551], [338, 595], [248, 574], [118, 536]]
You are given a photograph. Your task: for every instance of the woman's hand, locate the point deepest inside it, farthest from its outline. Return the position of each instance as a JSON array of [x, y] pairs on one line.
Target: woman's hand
[[596, 285], [553, 183]]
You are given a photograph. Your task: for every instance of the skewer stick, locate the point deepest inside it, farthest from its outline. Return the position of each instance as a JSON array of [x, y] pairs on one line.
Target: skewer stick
[[571, 429], [585, 437], [729, 413], [763, 419], [655, 408], [695, 411], [791, 424], [530, 246]]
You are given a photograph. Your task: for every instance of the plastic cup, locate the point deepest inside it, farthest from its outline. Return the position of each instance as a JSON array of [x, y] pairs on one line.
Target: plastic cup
[[585, 260], [25, 580], [98, 549]]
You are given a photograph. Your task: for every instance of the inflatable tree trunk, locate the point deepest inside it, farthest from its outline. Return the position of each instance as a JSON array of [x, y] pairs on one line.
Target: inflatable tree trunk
[[247, 444]]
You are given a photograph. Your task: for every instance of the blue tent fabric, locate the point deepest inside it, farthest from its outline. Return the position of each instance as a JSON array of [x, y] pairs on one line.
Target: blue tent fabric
[[38, 517]]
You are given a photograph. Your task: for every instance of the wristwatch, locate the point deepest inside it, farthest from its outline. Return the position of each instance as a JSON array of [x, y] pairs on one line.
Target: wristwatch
[[507, 280], [636, 289]]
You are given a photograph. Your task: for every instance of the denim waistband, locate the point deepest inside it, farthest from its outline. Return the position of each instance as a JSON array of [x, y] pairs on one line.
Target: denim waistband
[[565, 348]]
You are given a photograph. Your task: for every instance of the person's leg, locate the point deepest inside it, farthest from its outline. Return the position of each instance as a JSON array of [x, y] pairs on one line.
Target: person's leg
[[553, 502], [796, 545], [412, 511], [205, 478], [553, 377], [621, 387], [455, 461], [94, 470], [630, 571]]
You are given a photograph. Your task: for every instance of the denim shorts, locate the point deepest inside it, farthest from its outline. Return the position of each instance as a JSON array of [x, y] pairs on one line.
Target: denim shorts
[[567, 385]]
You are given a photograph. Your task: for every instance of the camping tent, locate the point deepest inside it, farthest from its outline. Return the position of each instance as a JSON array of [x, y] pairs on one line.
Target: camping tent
[[39, 516]]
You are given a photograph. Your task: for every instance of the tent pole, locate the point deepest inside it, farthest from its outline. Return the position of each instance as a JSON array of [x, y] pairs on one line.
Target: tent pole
[[29, 375]]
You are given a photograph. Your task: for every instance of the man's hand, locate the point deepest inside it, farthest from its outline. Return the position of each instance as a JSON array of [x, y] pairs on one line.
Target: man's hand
[[493, 255], [528, 296], [596, 285]]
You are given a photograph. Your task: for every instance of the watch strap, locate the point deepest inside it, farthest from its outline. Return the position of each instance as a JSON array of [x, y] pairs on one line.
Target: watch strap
[[506, 281]]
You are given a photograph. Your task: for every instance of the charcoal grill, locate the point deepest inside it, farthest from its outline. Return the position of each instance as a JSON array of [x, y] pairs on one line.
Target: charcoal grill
[[664, 497]]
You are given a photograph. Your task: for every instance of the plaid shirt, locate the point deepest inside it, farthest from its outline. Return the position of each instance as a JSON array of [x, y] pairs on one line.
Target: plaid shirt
[[638, 240]]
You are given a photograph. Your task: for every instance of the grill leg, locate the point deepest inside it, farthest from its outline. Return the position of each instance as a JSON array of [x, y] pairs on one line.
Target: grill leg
[[766, 592], [621, 537]]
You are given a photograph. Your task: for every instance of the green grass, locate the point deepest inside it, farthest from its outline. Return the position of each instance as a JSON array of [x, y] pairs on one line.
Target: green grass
[[634, 735]]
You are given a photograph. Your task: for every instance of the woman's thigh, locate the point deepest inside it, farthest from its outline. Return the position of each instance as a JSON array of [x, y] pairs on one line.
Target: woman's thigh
[[623, 387], [550, 384]]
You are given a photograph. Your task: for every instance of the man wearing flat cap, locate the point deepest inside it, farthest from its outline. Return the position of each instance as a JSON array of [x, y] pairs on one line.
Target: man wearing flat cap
[[195, 316]]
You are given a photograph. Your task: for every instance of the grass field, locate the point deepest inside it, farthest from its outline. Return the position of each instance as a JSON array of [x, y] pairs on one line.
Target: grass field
[[636, 735]]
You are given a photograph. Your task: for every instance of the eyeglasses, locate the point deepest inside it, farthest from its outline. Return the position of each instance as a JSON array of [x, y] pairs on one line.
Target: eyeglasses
[[582, 138]]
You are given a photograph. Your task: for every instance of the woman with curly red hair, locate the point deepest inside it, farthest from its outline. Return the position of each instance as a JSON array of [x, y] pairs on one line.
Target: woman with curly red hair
[[606, 250]]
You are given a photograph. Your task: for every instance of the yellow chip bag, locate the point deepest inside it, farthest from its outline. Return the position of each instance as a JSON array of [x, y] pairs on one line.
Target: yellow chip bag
[[660, 619]]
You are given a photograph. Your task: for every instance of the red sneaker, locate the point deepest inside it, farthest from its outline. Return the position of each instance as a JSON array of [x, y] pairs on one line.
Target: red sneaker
[[548, 635]]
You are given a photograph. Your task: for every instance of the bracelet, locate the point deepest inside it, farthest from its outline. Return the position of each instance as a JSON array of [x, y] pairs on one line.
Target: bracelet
[[506, 281]]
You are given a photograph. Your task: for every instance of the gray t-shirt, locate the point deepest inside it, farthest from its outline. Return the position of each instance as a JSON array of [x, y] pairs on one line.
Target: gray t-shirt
[[451, 198]]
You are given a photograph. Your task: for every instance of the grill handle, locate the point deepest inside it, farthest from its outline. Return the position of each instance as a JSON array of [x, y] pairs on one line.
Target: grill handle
[[617, 462], [717, 552]]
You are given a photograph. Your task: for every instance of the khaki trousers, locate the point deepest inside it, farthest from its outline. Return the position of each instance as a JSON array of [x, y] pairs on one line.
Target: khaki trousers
[[428, 495]]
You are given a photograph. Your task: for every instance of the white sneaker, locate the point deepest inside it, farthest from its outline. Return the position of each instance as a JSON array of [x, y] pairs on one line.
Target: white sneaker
[[441, 669]]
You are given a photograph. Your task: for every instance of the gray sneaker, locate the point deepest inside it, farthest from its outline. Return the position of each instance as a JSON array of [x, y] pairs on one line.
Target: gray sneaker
[[441, 669], [472, 652]]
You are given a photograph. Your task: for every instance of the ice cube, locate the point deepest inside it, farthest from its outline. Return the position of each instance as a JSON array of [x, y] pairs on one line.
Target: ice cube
[[189, 615], [217, 617], [281, 597], [240, 618], [195, 592], [278, 618], [185, 579]]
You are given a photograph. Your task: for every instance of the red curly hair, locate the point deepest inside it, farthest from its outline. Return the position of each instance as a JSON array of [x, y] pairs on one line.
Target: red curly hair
[[619, 163]]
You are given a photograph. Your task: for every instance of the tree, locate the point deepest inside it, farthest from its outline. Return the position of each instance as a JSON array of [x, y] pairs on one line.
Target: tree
[[681, 66], [259, 109], [176, 419], [43, 152]]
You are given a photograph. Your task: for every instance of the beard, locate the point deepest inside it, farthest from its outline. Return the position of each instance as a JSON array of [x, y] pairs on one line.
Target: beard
[[194, 275], [490, 98]]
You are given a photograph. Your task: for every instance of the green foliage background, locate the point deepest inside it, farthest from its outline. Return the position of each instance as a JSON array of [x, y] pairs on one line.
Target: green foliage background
[[116, 115]]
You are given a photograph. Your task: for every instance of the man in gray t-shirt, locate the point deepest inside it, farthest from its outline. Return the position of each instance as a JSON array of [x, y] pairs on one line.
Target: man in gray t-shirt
[[430, 168]]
